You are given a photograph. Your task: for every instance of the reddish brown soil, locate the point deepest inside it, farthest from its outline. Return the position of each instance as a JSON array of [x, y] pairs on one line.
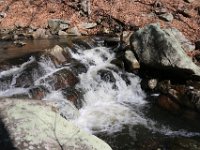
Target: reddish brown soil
[[133, 12]]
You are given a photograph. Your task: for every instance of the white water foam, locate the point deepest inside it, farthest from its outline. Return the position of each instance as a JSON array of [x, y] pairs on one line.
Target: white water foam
[[106, 109]]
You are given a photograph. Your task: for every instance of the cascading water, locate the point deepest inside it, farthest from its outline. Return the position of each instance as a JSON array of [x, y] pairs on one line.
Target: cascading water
[[108, 103], [112, 99]]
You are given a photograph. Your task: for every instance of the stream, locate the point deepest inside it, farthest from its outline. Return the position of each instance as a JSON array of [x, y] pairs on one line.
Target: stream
[[111, 103]]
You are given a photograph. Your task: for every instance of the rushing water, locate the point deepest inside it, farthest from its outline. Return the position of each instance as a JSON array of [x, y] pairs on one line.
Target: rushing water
[[114, 106]]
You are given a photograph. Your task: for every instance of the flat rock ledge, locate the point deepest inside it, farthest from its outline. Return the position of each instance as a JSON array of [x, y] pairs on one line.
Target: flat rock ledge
[[33, 124]]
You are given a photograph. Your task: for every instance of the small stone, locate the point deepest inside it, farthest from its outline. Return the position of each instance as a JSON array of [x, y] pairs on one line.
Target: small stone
[[64, 26], [3, 14], [87, 25], [62, 33], [160, 10], [19, 43], [39, 33], [152, 83], [57, 24], [73, 31], [166, 17]]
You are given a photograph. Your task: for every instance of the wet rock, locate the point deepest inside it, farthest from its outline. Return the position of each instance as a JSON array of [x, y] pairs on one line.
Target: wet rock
[[193, 98], [184, 95], [26, 121], [78, 68], [131, 60], [73, 96], [126, 79], [24, 80], [81, 44], [159, 49], [107, 76], [29, 74], [149, 84], [168, 104], [58, 55], [166, 17], [164, 86], [152, 84], [87, 25], [38, 92], [19, 95], [60, 79], [111, 41], [40, 33], [119, 63], [5, 82]]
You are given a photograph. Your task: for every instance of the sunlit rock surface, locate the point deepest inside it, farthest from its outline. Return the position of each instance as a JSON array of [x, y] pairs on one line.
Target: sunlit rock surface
[[34, 124]]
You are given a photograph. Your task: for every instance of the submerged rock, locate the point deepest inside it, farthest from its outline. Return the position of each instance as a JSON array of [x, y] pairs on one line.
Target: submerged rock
[[159, 49], [27, 76], [107, 76], [78, 67], [5, 82], [37, 125], [38, 92], [185, 96], [73, 96]]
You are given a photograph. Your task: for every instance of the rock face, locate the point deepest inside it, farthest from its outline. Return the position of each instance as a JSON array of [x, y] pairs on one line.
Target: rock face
[[36, 125], [159, 49]]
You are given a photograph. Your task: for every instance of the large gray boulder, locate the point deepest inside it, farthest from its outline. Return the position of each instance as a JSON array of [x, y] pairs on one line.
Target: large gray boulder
[[33, 124], [159, 49]]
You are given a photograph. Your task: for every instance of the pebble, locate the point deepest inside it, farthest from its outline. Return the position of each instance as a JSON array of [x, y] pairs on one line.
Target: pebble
[[62, 33], [3, 14], [166, 17], [73, 31], [87, 25]]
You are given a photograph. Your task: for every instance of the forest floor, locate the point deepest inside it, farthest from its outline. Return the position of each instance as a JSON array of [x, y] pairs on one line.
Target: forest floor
[[133, 13]]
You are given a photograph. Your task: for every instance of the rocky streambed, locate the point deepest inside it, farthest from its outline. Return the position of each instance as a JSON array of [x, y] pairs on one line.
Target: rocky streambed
[[141, 94]]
